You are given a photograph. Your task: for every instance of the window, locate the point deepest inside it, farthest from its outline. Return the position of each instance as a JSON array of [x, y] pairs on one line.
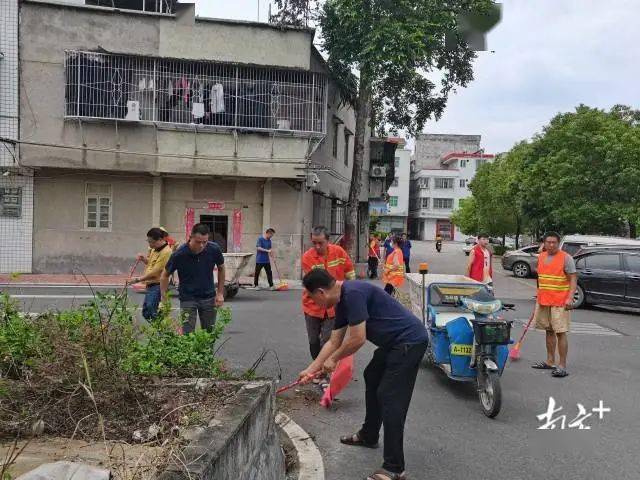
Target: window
[[480, 162], [633, 263], [463, 183], [423, 182], [397, 160], [215, 94], [395, 182], [335, 139], [443, 203], [347, 134], [571, 248], [463, 163], [603, 262], [11, 202], [532, 249], [393, 201], [98, 206], [444, 182], [424, 202]]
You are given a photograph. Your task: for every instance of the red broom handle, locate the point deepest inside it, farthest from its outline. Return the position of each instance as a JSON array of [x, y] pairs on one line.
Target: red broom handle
[[294, 384], [526, 328]]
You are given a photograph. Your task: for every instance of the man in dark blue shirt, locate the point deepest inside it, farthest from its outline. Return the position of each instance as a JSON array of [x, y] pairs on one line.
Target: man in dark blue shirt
[[365, 312], [406, 252], [263, 247], [195, 261]]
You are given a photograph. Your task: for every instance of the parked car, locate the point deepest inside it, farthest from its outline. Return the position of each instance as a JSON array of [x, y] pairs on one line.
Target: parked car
[[522, 262], [608, 276], [470, 240], [572, 243]]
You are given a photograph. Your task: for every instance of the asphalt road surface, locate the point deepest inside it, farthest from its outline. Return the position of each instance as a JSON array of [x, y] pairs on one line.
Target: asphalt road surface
[[447, 436]]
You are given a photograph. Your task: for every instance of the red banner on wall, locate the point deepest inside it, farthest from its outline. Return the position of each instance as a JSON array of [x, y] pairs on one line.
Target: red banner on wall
[[189, 222], [215, 205], [237, 230]]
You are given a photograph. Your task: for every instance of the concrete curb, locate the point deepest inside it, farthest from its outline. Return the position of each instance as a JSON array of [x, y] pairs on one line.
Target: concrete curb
[[309, 458]]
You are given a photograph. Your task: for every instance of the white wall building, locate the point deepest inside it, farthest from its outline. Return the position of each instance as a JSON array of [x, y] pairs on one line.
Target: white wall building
[[436, 191], [398, 205]]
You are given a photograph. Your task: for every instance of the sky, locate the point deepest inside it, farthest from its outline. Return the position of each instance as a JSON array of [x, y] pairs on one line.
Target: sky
[[550, 56]]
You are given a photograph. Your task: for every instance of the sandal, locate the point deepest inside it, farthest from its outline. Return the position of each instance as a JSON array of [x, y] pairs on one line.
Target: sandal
[[356, 441], [559, 373], [383, 474], [543, 366]]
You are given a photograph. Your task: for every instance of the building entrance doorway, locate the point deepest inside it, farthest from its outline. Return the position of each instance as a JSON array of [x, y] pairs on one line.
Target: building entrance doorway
[[444, 229], [218, 226]]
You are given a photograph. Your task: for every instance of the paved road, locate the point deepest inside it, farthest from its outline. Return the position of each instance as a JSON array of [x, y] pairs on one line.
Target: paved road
[[447, 436]]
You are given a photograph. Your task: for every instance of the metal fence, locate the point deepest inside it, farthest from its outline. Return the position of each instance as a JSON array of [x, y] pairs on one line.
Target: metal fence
[[108, 86]]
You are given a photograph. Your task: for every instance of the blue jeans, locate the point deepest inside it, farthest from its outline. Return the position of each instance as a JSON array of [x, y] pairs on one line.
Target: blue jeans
[[151, 302]]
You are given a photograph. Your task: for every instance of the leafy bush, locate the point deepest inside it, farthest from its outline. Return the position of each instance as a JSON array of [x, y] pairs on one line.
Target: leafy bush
[[165, 352]]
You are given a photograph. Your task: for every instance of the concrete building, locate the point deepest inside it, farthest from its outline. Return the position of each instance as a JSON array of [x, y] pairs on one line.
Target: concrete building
[[439, 180], [395, 216], [132, 118]]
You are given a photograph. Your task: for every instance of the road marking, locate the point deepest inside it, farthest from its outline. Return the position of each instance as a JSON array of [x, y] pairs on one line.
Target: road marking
[[53, 296], [583, 328], [311, 466], [57, 285]]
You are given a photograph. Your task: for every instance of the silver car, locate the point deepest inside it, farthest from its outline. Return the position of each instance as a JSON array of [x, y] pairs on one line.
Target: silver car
[[522, 262]]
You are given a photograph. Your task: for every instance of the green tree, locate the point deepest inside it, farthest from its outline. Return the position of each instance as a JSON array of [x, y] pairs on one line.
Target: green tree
[[465, 217], [582, 174], [383, 54]]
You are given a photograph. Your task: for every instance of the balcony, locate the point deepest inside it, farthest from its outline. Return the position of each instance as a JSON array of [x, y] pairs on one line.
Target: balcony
[[211, 95]]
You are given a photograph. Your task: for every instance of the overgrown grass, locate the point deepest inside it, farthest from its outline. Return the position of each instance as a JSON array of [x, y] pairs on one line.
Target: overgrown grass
[[47, 361]]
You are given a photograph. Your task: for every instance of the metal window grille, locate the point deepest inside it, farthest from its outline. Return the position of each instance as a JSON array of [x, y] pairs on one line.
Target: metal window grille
[[98, 206], [444, 182], [393, 201], [155, 6], [335, 139], [480, 162], [425, 202], [11, 202], [347, 134], [443, 203], [108, 86]]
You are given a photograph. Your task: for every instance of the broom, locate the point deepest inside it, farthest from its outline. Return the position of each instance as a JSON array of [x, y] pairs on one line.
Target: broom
[[514, 354], [282, 285]]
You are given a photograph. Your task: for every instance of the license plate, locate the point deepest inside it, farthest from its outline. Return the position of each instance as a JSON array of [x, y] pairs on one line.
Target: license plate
[[459, 349]]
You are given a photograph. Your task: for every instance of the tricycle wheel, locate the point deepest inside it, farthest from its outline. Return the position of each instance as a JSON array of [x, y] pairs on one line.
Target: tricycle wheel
[[490, 393], [428, 358]]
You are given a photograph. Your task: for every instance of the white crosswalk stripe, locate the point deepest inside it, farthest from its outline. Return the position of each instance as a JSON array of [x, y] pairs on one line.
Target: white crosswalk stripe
[[585, 328]]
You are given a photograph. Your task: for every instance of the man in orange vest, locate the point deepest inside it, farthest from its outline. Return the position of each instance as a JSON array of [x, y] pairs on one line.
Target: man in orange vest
[[557, 282], [336, 261], [393, 273]]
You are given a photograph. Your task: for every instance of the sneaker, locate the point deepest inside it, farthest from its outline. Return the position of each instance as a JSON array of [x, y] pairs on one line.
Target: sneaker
[[272, 288]]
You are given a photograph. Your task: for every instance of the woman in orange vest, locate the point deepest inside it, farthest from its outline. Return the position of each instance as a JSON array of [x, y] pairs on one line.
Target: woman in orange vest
[[393, 274]]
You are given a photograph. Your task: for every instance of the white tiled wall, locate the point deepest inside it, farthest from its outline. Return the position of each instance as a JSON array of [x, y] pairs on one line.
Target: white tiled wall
[[15, 233]]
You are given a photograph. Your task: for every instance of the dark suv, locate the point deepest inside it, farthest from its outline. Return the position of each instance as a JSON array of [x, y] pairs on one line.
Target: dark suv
[[608, 277]]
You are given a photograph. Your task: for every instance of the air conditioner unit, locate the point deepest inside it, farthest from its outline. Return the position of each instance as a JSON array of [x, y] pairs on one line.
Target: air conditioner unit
[[378, 171]]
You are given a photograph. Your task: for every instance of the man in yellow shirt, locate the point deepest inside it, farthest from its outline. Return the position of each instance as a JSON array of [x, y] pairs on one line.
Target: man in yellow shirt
[[155, 261]]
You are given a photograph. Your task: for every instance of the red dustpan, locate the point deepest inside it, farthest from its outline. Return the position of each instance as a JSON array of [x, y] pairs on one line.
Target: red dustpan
[[340, 378]]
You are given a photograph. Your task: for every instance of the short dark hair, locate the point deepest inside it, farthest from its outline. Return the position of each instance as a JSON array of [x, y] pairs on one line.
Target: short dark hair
[[397, 239], [320, 230], [482, 235], [270, 230], [318, 278], [200, 229], [556, 235], [155, 234]]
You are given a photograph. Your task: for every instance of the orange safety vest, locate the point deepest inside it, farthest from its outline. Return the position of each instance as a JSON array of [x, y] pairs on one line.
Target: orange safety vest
[[337, 263], [553, 282], [394, 274]]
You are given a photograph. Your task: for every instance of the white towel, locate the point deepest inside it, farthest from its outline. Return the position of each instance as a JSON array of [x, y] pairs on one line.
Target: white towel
[[217, 98]]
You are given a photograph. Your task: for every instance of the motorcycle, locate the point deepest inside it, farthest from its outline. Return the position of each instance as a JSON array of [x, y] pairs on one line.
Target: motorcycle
[[438, 245]]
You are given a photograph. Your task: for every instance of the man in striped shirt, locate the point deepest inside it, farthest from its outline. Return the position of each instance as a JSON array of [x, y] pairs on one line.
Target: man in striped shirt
[[336, 261]]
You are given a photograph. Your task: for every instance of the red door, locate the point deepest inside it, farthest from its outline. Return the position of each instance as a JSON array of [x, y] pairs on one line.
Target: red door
[[444, 228]]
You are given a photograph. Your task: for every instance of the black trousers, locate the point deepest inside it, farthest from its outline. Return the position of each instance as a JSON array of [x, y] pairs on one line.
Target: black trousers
[[406, 266], [389, 379], [373, 267], [267, 268]]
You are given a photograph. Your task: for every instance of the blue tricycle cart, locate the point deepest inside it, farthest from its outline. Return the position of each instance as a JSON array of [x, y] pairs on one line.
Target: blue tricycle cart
[[468, 337]]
